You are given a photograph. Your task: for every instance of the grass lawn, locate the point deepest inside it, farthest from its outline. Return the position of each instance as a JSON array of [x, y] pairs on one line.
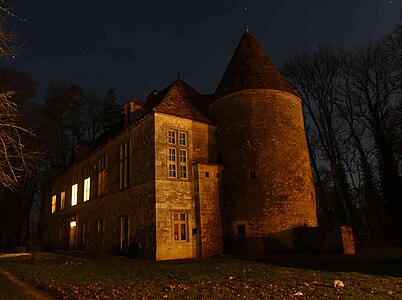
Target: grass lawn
[[10, 291], [371, 275]]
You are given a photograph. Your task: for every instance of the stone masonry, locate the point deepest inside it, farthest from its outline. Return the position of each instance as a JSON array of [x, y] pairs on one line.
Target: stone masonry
[[189, 175]]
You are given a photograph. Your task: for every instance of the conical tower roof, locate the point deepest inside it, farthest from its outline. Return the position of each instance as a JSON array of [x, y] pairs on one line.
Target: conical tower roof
[[250, 68]]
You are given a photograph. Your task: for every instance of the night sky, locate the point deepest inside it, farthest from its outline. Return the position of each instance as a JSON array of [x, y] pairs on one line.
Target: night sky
[[140, 45]]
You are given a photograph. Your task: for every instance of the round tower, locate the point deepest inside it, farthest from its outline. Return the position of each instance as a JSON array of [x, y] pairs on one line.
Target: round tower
[[267, 185]]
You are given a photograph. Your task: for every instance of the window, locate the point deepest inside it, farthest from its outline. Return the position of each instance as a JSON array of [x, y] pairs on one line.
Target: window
[[123, 233], [124, 164], [100, 229], [241, 229], [74, 194], [87, 188], [253, 175], [53, 204], [172, 137], [207, 174], [101, 175], [62, 200], [180, 227], [172, 162], [177, 154], [84, 233], [74, 190], [172, 170], [182, 139]]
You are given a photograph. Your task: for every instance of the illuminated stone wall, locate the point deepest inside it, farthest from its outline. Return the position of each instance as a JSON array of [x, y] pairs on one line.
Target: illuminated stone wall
[[206, 193], [137, 202], [267, 181], [177, 195]]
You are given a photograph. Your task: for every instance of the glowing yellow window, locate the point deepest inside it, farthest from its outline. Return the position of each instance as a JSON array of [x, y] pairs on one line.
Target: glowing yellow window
[[53, 204], [62, 200], [74, 194], [87, 188]]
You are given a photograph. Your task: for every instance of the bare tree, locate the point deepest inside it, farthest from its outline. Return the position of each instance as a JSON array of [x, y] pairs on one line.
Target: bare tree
[[16, 159], [317, 76], [8, 37]]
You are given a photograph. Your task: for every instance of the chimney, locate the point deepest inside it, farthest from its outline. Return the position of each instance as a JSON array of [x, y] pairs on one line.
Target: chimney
[[129, 108]]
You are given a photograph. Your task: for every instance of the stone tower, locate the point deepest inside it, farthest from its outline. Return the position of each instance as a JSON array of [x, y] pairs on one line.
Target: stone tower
[[267, 185]]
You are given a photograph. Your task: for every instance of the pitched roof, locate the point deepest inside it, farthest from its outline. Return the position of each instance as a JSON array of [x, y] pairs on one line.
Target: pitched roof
[[180, 100], [250, 68]]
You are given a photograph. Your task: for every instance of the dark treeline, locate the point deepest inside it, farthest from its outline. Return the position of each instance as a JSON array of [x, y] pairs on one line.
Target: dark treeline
[[69, 116], [353, 114]]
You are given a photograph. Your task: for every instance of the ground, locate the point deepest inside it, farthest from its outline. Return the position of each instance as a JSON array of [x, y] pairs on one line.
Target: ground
[[372, 274]]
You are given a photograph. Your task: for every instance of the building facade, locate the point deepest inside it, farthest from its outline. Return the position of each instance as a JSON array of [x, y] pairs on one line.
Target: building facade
[[190, 174]]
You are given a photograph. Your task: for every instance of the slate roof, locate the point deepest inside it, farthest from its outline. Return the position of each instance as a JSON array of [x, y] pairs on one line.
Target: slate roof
[[250, 68]]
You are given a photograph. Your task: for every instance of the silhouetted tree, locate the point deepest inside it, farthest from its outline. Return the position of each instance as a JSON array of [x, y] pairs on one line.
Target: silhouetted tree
[[317, 76], [111, 111], [352, 103]]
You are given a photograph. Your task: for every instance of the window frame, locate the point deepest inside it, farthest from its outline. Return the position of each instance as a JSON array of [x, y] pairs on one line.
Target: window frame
[[54, 204], [178, 162], [179, 222], [124, 165], [62, 200], [101, 175], [87, 188], [74, 194]]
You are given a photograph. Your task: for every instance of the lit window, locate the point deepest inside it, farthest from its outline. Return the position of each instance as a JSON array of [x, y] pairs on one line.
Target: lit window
[[87, 188], [53, 204], [183, 139], [172, 137], [74, 194], [73, 224], [180, 225], [62, 199]]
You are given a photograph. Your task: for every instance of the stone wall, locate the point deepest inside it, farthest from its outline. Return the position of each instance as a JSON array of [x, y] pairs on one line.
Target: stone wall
[[177, 195], [267, 180], [300, 239], [208, 209], [136, 202]]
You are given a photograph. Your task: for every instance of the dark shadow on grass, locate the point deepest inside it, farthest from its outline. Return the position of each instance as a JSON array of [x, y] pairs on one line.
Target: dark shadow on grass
[[371, 261]]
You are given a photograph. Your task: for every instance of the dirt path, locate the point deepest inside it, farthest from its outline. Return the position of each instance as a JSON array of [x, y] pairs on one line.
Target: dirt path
[[23, 290]]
